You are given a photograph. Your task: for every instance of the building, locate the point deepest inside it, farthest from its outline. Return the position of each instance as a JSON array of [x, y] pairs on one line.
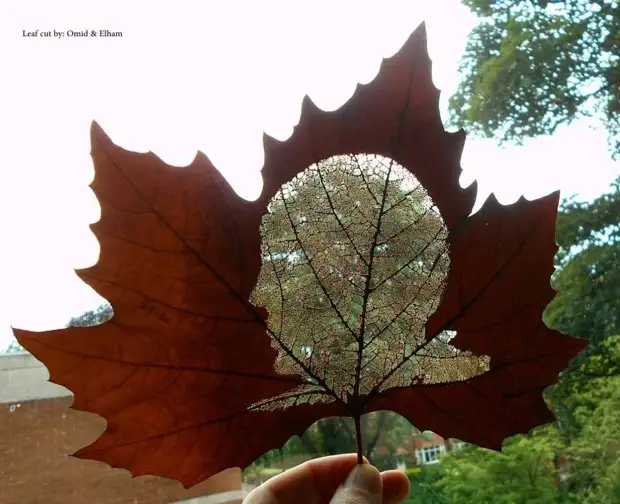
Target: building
[[426, 448], [421, 449]]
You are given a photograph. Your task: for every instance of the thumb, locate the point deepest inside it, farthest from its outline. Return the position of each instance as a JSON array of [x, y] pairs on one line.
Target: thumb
[[363, 486]]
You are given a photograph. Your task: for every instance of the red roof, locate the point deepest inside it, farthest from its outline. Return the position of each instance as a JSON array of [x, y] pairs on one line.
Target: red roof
[[420, 441], [382, 450]]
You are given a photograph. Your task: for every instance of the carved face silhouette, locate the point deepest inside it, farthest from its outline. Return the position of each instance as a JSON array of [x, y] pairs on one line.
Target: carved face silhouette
[[355, 259]]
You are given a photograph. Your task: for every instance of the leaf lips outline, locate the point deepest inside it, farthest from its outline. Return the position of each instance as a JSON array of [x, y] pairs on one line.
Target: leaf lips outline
[[180, 290]]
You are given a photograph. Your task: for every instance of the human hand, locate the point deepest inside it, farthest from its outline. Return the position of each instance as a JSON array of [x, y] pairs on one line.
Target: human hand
[[332, 480]]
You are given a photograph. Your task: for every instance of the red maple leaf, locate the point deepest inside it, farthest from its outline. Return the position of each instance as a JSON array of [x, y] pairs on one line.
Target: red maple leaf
[[180, 368]]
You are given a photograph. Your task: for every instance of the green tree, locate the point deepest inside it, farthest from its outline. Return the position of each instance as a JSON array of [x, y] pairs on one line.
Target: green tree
[[594, 470], [531, 65], [426, 486], [588, 268], [99, 315], [524, 473], [584, 386]]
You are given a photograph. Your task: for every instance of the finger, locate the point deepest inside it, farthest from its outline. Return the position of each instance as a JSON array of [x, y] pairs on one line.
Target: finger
[[396, 487], [316, 481], [363, 486], [313, 482]]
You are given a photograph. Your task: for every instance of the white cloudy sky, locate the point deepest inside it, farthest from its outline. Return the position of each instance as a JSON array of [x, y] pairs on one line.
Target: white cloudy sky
[[202, 75]]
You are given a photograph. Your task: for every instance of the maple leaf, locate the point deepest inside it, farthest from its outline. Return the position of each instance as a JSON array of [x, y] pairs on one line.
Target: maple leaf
[[194, 377]]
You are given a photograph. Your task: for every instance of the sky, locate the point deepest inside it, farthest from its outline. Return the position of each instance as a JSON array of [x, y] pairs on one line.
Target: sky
[[209, 76]]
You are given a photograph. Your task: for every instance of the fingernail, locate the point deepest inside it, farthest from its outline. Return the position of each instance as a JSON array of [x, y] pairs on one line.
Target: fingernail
[[365, 477]]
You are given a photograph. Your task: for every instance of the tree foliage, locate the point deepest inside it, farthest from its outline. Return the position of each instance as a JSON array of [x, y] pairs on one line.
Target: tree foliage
[[99, 315], [583, 386], [524, 473], [532, 65], [588, 262], [427, 485], [594, 469]]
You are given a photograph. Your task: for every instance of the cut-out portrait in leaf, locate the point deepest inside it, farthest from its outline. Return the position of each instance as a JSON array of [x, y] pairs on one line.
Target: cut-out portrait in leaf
[[355, 260], [357, 282]]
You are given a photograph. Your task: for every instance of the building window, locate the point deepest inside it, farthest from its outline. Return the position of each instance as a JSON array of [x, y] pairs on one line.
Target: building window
[[431, 455]]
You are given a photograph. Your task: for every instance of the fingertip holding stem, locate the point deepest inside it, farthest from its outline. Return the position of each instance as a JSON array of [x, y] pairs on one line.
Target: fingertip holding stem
[[363, 485], [365, 477]]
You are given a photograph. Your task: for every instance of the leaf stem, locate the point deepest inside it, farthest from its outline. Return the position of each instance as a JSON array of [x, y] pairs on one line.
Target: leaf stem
[[358, 437]]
